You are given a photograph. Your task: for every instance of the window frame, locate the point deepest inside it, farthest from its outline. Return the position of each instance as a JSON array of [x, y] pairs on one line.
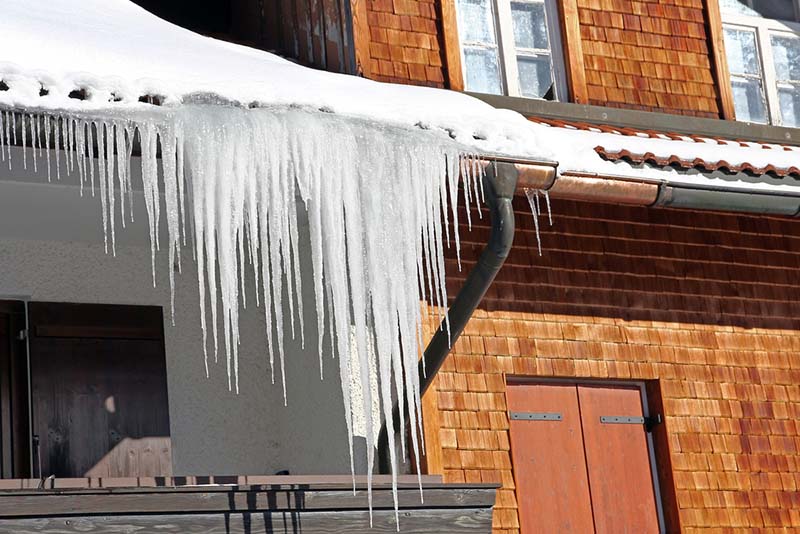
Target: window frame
[[507, 51], [764, 29]]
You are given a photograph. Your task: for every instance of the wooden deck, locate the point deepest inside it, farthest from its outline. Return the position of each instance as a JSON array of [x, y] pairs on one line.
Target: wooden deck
[[243, 505]]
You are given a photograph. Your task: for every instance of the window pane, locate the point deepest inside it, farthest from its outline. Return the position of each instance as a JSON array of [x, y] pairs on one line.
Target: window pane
[[748, 99], [535, 77], [483, 72], [789, 97], [740, 47], [786, 52], [476, 21], [530, 25], [770, 9]]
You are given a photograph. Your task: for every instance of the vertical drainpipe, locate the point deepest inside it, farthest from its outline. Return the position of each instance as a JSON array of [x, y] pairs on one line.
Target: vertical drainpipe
[[499, 184]]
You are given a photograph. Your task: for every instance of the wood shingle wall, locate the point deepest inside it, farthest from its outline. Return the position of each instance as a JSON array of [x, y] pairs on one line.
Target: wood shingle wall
[[404, 42], [707, 305], [648, 55]]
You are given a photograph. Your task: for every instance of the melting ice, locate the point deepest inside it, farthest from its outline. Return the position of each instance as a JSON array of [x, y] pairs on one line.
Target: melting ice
[[378, 201]]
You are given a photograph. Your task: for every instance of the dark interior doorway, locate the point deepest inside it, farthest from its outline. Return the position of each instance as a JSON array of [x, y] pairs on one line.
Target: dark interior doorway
[[98, 402]]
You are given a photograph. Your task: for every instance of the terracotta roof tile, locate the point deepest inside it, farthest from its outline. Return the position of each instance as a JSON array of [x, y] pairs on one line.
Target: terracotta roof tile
[[673, 160]]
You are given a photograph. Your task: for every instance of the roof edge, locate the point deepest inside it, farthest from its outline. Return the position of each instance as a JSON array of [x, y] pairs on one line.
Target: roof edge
[[648, 120]]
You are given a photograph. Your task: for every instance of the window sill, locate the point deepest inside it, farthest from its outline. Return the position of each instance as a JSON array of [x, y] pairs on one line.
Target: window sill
[[646, 120]]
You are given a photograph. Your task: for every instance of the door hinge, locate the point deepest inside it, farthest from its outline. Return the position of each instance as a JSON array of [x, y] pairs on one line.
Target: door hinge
[[22, 335], [535, 416], [648, 422]]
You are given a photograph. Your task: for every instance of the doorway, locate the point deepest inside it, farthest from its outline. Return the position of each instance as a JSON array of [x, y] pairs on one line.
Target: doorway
[[583, 458], [97, 402]]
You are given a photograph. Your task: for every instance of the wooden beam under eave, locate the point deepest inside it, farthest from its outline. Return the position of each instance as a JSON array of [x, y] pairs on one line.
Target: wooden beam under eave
[[716, 43], [573, 52], [451, 45], [361, 38]]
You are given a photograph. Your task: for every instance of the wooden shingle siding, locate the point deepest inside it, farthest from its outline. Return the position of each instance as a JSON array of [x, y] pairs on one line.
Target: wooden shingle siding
[[647, 55], [405, 42], [706, 304]]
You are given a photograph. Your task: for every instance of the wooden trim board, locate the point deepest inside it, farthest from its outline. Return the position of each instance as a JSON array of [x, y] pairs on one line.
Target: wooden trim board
[[716, 43]]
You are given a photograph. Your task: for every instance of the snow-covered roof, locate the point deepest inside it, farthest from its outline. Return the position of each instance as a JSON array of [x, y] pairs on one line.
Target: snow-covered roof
[[116, 52], [111, 53]]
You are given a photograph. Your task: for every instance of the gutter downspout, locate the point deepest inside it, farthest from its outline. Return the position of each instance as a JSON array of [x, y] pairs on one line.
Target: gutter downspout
[[499, 185]]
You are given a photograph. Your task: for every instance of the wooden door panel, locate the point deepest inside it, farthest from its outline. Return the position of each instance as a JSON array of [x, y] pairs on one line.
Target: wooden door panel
[[549, 463], [618, 461], [99, 391], [14, 435]]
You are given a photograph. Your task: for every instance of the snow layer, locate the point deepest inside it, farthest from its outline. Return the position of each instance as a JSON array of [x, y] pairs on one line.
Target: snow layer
[[118, 52], [115, 50]]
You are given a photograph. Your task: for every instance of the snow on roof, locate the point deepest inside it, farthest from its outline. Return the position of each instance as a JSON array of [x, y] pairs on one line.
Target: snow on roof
[[112, 53], [672, 158], [116, 52]]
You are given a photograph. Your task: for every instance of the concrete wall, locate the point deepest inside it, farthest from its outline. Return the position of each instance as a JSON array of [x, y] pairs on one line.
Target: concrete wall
[[51, 249]]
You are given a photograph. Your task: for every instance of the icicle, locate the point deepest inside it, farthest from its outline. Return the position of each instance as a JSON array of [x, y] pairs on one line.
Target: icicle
[[536, 211], [379, 201], [24, 144]]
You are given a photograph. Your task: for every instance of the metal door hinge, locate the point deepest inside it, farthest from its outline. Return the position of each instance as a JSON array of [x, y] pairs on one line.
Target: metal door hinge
[[535, 416], [648, 422], [22, 335]]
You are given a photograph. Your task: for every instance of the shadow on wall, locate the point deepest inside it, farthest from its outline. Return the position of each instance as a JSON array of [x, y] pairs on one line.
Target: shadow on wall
[[645, 264]]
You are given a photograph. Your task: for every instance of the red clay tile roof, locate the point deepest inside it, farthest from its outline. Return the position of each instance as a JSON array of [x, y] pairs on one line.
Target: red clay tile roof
[[674, 160]]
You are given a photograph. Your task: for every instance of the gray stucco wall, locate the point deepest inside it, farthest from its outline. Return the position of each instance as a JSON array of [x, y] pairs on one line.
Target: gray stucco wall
[[51, 250]]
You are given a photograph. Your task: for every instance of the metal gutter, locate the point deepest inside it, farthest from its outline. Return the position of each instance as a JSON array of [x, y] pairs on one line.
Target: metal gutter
[[499, 185]]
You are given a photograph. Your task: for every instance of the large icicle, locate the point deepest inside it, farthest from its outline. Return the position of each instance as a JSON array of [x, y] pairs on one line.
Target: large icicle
[[375, 197]]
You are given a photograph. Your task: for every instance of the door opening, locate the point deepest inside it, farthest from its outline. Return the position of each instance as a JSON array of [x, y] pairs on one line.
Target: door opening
[[96, 398], [583, 458]]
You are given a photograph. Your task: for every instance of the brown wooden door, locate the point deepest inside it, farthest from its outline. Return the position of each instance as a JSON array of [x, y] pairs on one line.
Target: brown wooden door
[[99, 390], [14, 435], [618, 460], [575, 472], [549, 467]]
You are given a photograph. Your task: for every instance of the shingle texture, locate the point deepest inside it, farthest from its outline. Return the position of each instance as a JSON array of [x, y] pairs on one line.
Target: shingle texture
[[648, 55], [405, 42], [707, 304]]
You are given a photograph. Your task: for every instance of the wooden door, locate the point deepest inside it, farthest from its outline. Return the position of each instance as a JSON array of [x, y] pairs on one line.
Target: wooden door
[[549, 466], [14, 435], [99, 390], [618, 460], [581, 459]]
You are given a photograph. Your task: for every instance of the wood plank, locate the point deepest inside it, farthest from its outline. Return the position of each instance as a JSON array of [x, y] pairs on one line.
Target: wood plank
[[660, 434], [618, 461], [140, 322], [334, 35], [549, 464], [14, 444], [716, 43], [432, 460], [361, 38], [573, 52], [6, 457], [442, 521], [46, 504], [451, 45], [98, 332]]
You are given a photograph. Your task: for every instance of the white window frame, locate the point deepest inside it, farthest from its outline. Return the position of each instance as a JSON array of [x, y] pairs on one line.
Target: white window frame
[[507, 51], [764, 28]]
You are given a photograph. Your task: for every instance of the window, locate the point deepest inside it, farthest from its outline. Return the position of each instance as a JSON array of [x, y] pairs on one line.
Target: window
[[512, 47], [762, 42]]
